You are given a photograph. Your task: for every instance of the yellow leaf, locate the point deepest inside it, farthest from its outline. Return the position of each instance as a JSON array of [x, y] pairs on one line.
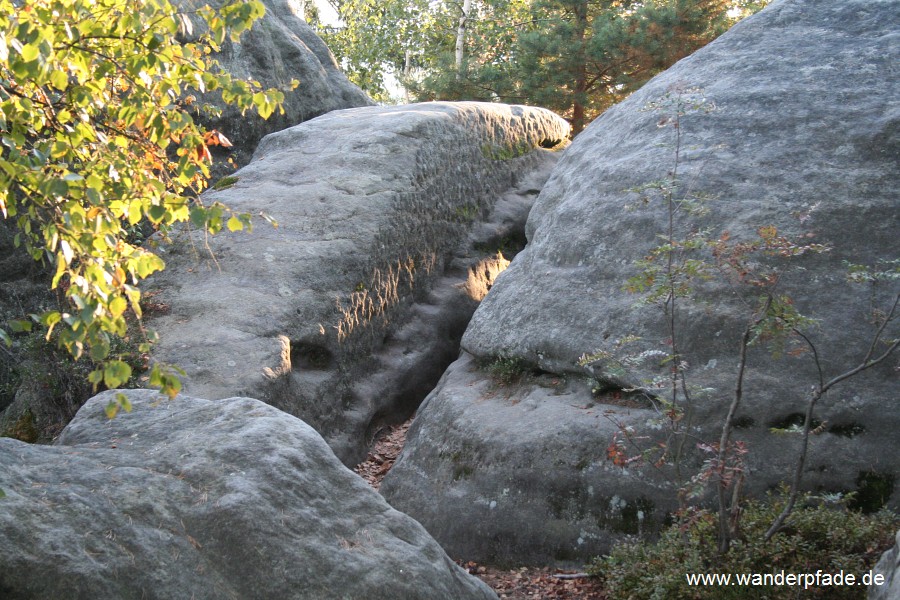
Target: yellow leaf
[[118, 306], [111, 410], [59, 79], [235, 224]]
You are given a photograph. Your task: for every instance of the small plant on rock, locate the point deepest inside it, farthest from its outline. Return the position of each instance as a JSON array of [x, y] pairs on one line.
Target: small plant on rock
[[507, 370]]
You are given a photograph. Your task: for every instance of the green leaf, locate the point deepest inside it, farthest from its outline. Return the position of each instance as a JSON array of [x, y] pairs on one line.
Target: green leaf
[[157, 213], [49, 320], [19, 326], [165, 378], [100, 349], [59, 79], [30, 52], [124, 402], [95, 377], [148, 263], [198, 216], [115, 373]]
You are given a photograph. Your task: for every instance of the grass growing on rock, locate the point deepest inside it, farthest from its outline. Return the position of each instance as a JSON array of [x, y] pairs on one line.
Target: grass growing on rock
[[506, 370], [225, 183]]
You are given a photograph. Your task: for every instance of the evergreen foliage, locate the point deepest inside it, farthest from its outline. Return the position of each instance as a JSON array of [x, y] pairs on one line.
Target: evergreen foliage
[[576, 57]]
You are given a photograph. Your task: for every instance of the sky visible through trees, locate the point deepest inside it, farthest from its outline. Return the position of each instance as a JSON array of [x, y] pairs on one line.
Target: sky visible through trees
[[577, 57]]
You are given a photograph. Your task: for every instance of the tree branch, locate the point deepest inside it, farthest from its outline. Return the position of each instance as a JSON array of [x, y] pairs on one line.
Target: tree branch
[[866, 363]]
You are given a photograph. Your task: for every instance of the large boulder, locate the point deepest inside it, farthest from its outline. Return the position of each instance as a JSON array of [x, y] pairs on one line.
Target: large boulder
[[279, 48], [389, 224], [515, 470], [200, 499], [804, 136]]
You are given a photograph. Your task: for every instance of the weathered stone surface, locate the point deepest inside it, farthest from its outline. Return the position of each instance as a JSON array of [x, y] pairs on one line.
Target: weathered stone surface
[[205, 499], [344, 315], [515, 473], [889, 568], [279, 48], [806, 122]]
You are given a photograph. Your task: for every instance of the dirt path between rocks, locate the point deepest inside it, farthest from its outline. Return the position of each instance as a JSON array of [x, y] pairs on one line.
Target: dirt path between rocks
[[524, 583]]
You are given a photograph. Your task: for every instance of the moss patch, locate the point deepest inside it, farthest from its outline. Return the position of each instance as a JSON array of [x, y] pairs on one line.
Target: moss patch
[[24, 429], [507, 152]]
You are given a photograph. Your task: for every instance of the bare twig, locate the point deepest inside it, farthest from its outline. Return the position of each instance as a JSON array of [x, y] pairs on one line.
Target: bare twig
[[726, 530], [570, 575], [867, 363]]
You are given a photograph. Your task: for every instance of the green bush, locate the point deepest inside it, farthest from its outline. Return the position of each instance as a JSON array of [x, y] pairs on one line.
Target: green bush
[[816, 537]]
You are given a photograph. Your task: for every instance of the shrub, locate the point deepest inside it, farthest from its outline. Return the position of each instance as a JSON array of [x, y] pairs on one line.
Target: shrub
[[99, 145], [818, 537]]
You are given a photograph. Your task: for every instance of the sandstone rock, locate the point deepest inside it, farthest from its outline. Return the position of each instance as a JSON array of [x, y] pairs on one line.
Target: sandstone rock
[[518, 469], [805, 124], [889, 567], [348, 312], [203, 499], [279, 48]]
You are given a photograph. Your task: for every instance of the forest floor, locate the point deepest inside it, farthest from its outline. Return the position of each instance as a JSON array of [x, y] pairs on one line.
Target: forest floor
[[523, 583]]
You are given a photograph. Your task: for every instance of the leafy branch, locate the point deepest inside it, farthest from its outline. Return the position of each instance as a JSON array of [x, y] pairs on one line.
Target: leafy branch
[[96, 137]]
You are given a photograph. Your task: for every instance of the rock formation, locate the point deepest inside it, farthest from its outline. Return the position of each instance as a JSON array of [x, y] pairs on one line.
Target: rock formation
[[348, 312], [199, 499], [803, 137], [279, 48]]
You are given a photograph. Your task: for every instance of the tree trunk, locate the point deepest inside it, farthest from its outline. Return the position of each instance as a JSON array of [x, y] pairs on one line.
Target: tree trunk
[[577, 117], [580, 87], [407, 68], [461, 38]]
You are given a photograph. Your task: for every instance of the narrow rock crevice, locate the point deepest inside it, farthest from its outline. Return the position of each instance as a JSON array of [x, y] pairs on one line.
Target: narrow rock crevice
[[393, 225], [412, 356]]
